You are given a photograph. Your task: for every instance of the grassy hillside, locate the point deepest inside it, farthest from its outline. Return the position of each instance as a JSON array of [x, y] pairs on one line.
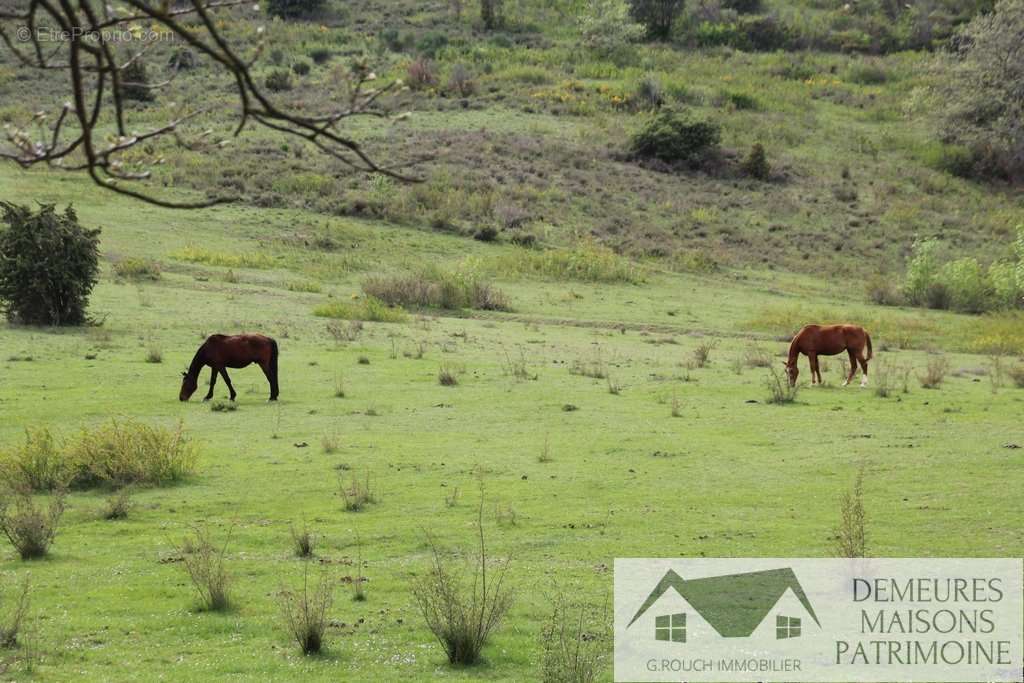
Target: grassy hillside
[[659, 457]]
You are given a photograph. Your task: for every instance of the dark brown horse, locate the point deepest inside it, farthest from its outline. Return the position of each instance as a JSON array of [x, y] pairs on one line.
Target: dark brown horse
[[830, 340], [221, 352]]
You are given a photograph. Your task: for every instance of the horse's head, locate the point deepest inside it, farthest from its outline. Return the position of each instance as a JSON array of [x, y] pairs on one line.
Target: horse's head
[[791, 371], [188, 386]]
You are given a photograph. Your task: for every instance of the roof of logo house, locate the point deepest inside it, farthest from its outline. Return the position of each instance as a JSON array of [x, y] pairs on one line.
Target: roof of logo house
[[734, 604]]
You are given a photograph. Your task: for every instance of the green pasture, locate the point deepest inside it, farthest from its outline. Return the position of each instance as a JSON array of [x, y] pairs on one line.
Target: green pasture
[[731, 475]]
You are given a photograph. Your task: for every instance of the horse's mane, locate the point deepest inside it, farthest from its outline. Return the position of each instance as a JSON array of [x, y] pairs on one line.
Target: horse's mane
[[197, 361]]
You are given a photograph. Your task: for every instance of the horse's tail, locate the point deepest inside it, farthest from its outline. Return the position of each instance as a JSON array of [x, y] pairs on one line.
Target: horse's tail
[[871, 353], [273, 367]]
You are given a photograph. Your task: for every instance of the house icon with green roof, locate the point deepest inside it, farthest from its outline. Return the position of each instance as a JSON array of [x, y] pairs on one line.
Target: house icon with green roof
[[762, 604]]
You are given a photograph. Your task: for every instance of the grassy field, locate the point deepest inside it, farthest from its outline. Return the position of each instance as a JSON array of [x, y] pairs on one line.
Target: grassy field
[[565, 491]]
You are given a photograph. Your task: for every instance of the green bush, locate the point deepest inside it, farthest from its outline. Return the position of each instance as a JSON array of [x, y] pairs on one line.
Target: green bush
[[48, 266], [670, 136], [657, 16], [301, 68], [922, 272], [278, 80], [120, 453], [867, 72], [135, 82], [967, 284], [369, 309], [38, 464], [756, 164], [292, 9], [137, 269]]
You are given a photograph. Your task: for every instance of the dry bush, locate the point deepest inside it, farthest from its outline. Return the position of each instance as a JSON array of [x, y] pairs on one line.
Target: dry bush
[[14, 615], [356, 494], [462, 611], [518, 367], [677, 408], [613, 386], [29, 527], [350, 331], [204, 563], [934, 373], [594, 368], [702, 354], [779, 390], [574, 643], [756, 357], [330, 443], [118, 504], [851, 535], [1016, 374], [154, 355], [304, 611]]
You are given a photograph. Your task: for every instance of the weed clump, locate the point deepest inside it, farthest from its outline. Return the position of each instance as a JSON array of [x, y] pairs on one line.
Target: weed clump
[[304, 612], [779, 390], [204, 563], [29, 528], [934, 373], [356, 494]]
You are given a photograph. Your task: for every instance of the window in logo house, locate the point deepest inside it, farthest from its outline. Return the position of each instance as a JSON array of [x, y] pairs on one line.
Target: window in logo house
[[787, 627], [670, 627]]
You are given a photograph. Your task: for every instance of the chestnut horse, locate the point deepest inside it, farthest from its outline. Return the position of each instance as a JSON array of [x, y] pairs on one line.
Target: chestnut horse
[[829, 340], [221, 352]]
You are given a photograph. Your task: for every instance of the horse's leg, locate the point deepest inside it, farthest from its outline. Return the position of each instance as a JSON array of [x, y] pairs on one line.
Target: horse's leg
[[812, 359], [268, 373], [853, 368], [227, 380], [213, 381], [864, 367]]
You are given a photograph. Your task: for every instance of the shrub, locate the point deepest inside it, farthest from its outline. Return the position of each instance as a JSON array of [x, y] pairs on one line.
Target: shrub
[[935, 372], [154, 355], [460, 81], [648, 93], [702, 354], [657, 16], [291, 9], [304, 541], [432, 43], [135, 82], [301, 68], [130, 452], [881, 290], [434, 288], [38, 464], [320, 55], [205, 566], [670, 136], [490, 13], [867, 72], [30, 528], [48, 266], [461, 611], [606, 28], [1007, 291], [574, 644], [1016, 374], [756, 164], [304, 611], [779, 390], [588, 261], [278, 80], [446, 376], [137, 269], [10, 623], [851, 534], [118, 504], [356, 494], [922, 272], [967, 284], [743, 6], [420, 74], [369, 309]]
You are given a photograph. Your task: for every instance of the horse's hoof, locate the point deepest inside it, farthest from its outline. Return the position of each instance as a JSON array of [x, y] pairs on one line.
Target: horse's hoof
[[272, 398]]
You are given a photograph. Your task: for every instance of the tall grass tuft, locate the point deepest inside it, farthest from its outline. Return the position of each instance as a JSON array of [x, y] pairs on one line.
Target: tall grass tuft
[[129, 452], [462, 611], [304, 541], [204, 563], [934, 373], [29, 528], [779, 390], [304, 611], [587, 262], [434, 288], [356, 494]]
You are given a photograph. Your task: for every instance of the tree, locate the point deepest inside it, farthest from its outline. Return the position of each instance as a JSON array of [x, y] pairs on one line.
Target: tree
[[93, 132], [605, 26], [657, 16], [983, 90], [48, 266]]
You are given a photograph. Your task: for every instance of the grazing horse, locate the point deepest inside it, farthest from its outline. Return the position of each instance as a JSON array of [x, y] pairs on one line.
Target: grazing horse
[[829, 340], [221, 352]]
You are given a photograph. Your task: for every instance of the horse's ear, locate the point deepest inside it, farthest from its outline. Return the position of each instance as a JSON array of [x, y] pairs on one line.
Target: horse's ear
[[184, 374]]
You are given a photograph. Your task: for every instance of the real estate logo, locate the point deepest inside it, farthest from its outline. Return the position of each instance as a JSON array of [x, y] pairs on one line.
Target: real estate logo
[[818, 620]]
